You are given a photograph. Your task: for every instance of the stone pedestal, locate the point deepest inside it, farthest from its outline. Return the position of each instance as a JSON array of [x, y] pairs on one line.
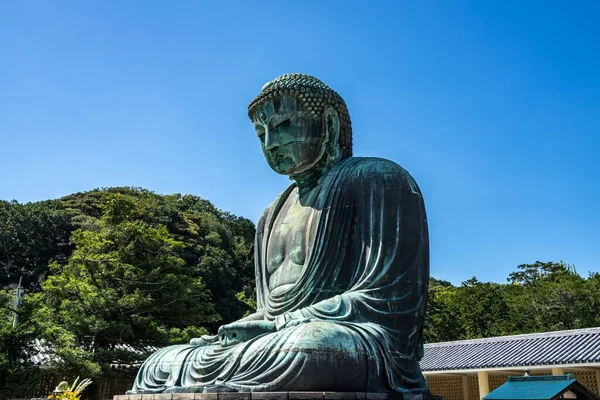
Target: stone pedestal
[[279, 396]]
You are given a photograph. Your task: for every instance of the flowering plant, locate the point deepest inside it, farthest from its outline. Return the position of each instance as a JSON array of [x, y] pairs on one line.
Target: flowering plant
[[64, 391]]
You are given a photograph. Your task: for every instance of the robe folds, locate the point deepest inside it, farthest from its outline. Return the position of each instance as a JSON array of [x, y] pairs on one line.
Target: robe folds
[[354, 319]]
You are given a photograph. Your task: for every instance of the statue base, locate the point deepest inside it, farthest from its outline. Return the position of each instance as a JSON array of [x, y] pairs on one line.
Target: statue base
[[280, 396]]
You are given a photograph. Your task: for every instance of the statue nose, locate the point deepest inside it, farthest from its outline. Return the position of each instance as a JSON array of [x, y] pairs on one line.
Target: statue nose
[[271, 142]]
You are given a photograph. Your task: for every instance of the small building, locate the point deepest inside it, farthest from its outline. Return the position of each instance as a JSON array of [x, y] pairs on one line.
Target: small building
[[541, 388], [471, 369]]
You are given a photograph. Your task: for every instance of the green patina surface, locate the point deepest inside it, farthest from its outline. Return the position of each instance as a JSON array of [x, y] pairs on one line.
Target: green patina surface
[[342, 265]]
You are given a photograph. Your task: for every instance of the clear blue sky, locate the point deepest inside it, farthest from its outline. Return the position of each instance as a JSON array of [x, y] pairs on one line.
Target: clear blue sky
[[494, 108]]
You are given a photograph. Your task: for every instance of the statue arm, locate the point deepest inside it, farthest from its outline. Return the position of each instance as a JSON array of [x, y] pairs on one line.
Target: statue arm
[[259, 315]]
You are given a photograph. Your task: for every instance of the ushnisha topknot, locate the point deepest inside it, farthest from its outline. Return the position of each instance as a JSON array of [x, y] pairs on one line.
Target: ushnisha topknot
[[314, 95]]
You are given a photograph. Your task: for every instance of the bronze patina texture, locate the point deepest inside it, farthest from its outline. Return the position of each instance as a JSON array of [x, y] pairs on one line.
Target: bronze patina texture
[[280, 396], [342, 267]]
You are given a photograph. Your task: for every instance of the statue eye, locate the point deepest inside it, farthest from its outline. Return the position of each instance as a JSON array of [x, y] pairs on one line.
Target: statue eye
[[283, 123], [260, 131]]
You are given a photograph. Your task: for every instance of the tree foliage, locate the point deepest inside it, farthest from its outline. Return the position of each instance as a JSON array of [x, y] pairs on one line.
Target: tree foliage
[[17, 374], [118, 269], [30, 236], [539, 297]]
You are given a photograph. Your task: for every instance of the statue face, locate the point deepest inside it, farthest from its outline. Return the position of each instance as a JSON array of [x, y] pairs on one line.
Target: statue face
[[292, 139]]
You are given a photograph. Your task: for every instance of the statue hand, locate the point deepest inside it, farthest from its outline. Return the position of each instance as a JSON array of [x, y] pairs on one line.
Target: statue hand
[[204, 340], [241, 331], [296, 322]]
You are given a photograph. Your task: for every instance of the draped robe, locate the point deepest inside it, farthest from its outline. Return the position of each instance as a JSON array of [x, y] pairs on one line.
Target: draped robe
[[360, 299]]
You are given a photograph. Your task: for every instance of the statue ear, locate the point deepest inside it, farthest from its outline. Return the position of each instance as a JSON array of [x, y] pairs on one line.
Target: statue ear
[[331, 125]]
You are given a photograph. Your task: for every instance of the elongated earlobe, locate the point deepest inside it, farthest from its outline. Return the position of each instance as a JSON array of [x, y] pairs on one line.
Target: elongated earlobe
[[331, 122]]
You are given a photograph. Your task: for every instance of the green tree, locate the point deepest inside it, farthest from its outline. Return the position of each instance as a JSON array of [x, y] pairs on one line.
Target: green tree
[[140, 269], [18, 375], [483, 309], [442, 321], [548, 296], [219, 243], [31, 235], [125, 284]]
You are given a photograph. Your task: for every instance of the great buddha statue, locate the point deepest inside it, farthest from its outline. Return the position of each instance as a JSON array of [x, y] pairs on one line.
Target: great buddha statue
[[342, 267]]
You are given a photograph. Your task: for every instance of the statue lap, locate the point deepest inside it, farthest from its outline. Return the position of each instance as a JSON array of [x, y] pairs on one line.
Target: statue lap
[[309, 356]]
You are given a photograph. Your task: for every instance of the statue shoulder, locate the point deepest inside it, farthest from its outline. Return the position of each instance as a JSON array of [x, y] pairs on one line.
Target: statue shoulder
[[373, 170]]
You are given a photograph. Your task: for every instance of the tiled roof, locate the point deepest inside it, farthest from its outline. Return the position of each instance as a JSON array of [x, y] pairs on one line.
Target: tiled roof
[[578, 346]]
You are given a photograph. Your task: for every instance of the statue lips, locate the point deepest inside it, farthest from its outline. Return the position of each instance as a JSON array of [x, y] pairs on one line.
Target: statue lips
[[276, 155], [278, 159]]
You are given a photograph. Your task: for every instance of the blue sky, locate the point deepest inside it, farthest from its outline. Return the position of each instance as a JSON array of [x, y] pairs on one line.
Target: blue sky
[[493, 107]]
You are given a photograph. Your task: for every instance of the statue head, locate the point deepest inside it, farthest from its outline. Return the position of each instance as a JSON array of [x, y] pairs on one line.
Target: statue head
[[302, 124]]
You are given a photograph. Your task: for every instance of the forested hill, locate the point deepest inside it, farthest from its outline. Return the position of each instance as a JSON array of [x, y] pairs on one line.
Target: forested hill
[[111, 274], [539, 297], [130, 234]]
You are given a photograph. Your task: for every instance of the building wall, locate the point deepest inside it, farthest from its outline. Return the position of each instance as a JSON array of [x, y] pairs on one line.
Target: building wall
[[587, 379], [473, 387], [448, 386]]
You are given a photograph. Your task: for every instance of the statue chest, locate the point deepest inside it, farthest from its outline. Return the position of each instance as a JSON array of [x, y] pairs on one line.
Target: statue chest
[[286, 249]]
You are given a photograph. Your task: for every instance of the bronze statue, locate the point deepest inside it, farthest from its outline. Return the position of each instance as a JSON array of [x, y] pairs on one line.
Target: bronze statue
[[342, 267]]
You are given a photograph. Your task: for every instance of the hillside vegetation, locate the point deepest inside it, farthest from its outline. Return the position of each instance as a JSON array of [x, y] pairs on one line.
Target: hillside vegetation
[[117, 267], [538, 297]]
